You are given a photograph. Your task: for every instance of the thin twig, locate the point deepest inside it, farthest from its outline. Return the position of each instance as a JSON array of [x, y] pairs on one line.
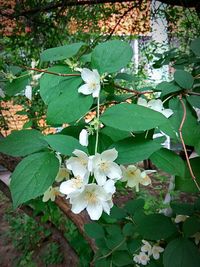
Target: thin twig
[[132, 90], [193, 93], [183, 143], [51, 72]]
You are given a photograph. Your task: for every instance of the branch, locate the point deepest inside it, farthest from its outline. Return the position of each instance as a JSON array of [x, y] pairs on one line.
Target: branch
[[183, 143], [79, 220], [71, 258], [61, 4], [51, 72]]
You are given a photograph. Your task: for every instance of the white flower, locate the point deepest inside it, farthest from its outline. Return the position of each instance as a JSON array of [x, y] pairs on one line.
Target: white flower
[[79, 164], [103, 166], [28, 92], [156, 250], [92, 82], [134, 176], [180, 218], [146, 247], [155, 104], [2, 94], [63, 173], [196, 237], [51, 193], [73, 185], [142, 258], [83, 137], [93, 198]]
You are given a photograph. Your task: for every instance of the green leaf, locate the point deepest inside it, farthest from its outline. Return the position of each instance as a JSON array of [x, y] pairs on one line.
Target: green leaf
[[132, 206], [191, 128], [182, 208], [64, 144], [115, 134], [51, 86], [194, 100], [128, 229], [168, 161], [22, 143], [195, 46], [167, 88], [156, 227], [17, 85], [181, 253], [103, 262], [184, 79], [186, 183], [116, 242], [33, 176], [111, 56], [117, 213], [132, 150], [191, 226], [61, 52], [132, 117], [103, 143], [68, 107], [94, 230], [121, 258]]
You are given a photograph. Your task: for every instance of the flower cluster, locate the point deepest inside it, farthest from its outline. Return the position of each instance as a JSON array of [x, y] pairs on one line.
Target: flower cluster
[[133, 176], [93, 183], [147, 250], [155, 104]]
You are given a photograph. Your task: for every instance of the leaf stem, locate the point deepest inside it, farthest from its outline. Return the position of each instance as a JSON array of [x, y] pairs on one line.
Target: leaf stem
[[51, 72], [97, 130], [183, 143]]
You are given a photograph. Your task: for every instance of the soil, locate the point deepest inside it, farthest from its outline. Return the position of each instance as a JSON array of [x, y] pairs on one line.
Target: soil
[[8, 254]]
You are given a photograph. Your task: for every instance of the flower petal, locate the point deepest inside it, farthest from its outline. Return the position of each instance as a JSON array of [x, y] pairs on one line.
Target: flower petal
[[142, 102], [109, 155], [78, 203], [88, 75], [114, 171], [85, 89], [96, 91], [95, 210], [156, 104], [109, 186], [100, 177], [80, 154], [83, 138], [167, 112]]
